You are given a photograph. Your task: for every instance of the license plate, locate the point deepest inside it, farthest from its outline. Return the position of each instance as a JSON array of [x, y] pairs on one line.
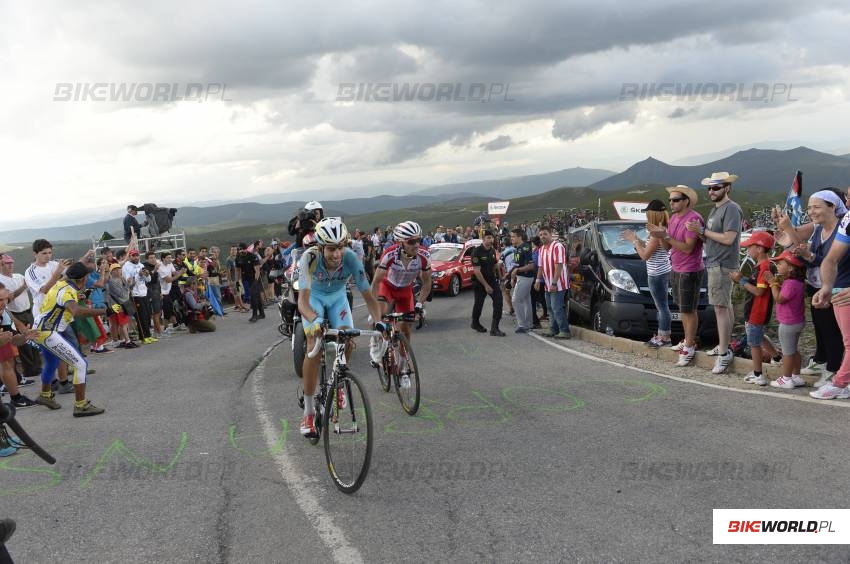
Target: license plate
[[676, 316]]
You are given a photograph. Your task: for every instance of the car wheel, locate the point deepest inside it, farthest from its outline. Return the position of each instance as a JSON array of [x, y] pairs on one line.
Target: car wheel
[[454, 286]]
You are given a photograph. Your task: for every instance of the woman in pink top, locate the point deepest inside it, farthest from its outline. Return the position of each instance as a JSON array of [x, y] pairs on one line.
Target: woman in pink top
[[789, 294]]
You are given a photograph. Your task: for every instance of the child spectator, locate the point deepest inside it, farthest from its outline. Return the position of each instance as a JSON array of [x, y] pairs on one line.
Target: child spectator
[[759, 302], [789, 293]]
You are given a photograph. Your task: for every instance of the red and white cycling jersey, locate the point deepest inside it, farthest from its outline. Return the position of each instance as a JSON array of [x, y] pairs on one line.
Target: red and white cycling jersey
[[398, 274]]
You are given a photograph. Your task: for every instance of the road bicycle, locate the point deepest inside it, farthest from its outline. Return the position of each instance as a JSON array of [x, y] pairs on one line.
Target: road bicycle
[[23, 440], [398, 364], [343, 414]]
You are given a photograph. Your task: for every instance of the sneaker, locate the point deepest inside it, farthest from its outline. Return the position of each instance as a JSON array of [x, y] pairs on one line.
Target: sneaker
[[121, 345], [813, 368], [48, 401], [686, 355], [678, 347], [520, 330], [22, 402], [131, 345], [566, 335], [308, 426], [713, 352], [182, 329], [723, 362], [654, 342], [830, 391], [66, 388], [825, 378], [253, 319], [87, 410], [787, 383], [547, 334], [148, 341], [341, 401], [377, 348], [759, 380], [166, 332], [102, 350], [24, 381]]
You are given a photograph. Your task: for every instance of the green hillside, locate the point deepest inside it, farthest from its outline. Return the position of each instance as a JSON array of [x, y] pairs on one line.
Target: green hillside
[[524, 209]]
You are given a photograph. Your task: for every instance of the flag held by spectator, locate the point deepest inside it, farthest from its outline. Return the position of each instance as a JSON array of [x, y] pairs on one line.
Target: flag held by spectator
[[105, 236], [793, 203], [214, 303]]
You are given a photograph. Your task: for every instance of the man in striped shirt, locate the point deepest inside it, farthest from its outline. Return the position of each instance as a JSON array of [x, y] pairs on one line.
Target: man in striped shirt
[[552, 275]]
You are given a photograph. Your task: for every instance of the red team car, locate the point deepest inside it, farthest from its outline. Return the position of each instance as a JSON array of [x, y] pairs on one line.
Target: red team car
[[451, 266]]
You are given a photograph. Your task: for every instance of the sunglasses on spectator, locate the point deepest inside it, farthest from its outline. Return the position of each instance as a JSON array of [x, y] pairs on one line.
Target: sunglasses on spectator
[[716, 188], [674, 200], [413, 241]]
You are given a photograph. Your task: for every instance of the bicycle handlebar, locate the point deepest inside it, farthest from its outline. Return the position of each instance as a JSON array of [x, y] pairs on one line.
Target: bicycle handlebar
[[7, 417], [344, 332]]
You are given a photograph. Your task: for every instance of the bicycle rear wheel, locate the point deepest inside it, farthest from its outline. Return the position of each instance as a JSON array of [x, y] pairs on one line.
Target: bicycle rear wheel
[[407, 388], [348, 433]]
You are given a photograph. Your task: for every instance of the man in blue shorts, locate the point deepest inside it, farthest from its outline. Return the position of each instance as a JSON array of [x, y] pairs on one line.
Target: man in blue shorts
[[325, 269]]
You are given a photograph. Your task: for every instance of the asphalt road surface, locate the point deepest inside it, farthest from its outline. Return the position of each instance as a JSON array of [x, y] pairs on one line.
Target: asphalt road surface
[[522, 451]]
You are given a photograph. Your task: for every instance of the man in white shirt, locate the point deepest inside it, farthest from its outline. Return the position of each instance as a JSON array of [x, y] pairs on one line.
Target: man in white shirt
[[168, 274], [136, 275]]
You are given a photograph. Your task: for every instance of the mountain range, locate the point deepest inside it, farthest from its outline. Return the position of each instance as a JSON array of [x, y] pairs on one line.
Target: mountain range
[[759, 170]]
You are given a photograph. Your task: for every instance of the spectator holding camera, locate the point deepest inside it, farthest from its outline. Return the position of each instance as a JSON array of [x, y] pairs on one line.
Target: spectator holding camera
[[137, 277], [198, 312]]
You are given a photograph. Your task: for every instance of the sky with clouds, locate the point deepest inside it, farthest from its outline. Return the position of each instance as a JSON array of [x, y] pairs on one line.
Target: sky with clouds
[[284, 123]]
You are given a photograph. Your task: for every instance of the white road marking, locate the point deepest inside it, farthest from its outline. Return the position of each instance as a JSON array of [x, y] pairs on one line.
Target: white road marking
[[807, 399], [301, 486]]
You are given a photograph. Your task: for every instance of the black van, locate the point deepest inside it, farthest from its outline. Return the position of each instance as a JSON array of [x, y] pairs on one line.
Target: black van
[[609, 285]]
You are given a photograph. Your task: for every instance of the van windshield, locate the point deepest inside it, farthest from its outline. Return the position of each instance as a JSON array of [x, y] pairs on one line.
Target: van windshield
[[612, 239]]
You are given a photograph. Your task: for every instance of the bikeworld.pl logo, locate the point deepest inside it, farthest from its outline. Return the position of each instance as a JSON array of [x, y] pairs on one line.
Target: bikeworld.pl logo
[[781, 526], [423, 92], [706, 92], [140, 92]]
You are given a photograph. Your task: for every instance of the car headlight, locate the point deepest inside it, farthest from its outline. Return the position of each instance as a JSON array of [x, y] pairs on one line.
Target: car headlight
[[623, 280], [440, 274]]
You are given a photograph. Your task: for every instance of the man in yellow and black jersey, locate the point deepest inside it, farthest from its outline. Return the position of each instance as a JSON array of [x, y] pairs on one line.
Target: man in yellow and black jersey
[[57, 311]]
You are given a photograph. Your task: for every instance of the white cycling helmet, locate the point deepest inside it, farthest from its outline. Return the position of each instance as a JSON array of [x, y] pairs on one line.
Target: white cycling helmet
[[331, 231], [406, 230], [314, 205]]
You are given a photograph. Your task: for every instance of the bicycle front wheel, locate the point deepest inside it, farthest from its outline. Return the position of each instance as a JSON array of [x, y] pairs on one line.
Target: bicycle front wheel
[[407, 377], [348, 433]]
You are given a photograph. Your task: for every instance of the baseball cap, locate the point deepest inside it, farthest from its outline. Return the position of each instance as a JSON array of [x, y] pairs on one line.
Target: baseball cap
[[134, 252], [789, 257], [655, 205], [115, 266], [761, 238]]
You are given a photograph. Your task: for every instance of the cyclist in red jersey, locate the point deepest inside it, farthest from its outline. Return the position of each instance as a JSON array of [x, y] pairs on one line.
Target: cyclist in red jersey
[[399, 267]]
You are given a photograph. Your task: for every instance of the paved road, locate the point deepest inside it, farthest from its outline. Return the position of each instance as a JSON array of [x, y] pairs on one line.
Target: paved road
[[521, 451]]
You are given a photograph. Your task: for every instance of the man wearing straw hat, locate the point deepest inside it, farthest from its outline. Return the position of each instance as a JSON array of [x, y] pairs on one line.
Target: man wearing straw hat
[[722, 236], [686, 258]]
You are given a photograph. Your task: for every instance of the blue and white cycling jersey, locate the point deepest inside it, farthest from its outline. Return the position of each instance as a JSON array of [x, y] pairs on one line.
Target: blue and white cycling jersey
[[314, 275], [327, 289]]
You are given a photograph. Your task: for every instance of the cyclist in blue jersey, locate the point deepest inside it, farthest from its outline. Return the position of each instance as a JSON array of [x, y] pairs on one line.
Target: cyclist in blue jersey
[[324, 271]]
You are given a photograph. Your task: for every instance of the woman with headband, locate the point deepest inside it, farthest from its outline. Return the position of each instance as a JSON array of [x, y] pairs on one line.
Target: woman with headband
[[826, 208]]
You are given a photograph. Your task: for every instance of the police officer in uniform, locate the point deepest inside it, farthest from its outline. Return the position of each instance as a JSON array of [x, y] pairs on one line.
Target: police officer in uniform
[[485, 282]]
